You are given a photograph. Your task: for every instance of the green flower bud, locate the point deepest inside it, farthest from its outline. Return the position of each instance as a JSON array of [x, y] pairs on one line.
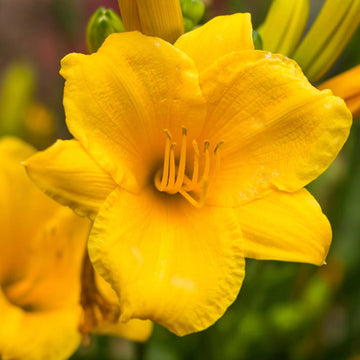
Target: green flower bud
[[188, 24], [258, 44], [16, 94], [101, 24], [193, 10]]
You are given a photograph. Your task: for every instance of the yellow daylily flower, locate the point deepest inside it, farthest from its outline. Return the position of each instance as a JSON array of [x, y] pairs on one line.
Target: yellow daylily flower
[[161, 18], [42, 245], [190, 158]]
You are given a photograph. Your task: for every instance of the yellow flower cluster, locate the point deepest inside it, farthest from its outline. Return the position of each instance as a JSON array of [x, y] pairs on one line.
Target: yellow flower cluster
[[189, 155]]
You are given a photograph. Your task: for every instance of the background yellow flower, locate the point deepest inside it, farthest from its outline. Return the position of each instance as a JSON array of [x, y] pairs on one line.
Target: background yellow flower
[[42, 246]]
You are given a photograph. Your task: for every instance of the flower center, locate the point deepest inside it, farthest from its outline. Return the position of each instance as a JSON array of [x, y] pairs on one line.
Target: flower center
[[173, 178]]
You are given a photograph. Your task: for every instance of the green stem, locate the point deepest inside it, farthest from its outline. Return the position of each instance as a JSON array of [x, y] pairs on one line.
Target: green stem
[[140, 351]]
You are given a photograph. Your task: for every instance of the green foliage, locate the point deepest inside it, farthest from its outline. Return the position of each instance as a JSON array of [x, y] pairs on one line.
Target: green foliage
[[257, 40], [16, 94]]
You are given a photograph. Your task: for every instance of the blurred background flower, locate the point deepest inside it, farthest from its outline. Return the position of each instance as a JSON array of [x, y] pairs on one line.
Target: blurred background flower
[[285, 311]]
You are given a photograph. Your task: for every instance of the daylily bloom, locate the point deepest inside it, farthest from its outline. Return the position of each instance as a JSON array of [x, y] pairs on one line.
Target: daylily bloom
[[42, 245], [190, 158]]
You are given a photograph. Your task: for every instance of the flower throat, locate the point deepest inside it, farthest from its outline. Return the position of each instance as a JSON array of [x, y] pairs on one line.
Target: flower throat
[[172, 177]]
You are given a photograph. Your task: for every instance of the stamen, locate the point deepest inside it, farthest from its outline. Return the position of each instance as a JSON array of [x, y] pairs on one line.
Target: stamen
[[207, 162], [192, 184], [217, 146], [217, 157], [197, 203], [165, 174], [171, 181], [195, 175], [182, 163]]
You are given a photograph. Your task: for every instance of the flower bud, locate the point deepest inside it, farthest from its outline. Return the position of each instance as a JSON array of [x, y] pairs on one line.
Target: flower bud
[[284, 25], [327, 37], [101, 24], [188, 24], [193, 10], [162, 18]]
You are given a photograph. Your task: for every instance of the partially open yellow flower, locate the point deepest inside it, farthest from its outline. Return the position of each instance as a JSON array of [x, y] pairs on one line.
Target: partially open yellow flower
[[42, 246], [347, 86], [161, 18], [190, 158]]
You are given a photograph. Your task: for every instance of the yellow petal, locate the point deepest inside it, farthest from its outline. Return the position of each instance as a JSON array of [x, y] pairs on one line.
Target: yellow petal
[[218, 37], [135, 330], [284, 25], [277, 129], [68, 174], [285, 226], [119, 100], [347, 86], [168, 262], [45, 335], [325, 41]]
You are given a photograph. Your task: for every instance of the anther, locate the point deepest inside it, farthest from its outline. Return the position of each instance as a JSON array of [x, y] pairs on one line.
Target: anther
[[206, 145], [207, 162], [217, 146], [167, 132], [217, 157]]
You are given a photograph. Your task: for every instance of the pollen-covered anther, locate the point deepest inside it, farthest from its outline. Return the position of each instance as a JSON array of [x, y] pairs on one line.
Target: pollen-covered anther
[[173, 177]]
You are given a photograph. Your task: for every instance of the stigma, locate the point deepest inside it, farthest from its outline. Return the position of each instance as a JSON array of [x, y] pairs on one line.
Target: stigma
[[174, 177]]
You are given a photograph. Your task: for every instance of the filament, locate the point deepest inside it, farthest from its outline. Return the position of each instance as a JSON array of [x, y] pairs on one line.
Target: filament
[[166, 162]]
